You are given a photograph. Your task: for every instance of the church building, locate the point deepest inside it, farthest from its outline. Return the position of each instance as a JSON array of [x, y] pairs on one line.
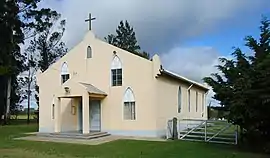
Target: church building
[[97, 87]]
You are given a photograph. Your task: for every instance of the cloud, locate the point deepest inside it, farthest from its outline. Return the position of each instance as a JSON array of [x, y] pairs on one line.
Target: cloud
[[159, 26], [192, 62]]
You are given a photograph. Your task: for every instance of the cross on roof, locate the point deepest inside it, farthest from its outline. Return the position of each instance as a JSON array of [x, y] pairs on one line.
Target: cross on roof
[[90, 19]]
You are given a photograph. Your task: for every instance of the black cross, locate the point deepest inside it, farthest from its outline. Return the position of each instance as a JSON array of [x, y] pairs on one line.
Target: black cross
[[90, 20]]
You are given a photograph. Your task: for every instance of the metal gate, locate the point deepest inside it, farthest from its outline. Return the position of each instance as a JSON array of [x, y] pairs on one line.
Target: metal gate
[[216, 131], [169, 133]]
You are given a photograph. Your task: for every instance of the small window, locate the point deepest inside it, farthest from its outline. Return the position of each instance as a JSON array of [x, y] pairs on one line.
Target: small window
[[65, 78], [129, 105], [116, 77], [89, 52], [189, 100], [196, 101], [179, 99], [53, 111], [64, 73], [116, 72]]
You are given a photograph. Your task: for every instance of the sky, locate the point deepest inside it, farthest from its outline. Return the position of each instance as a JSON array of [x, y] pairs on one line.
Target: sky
[[189, 35]]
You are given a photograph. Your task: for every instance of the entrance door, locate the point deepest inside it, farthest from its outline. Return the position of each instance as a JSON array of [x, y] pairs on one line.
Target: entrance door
[[94, 114], [80, 116]]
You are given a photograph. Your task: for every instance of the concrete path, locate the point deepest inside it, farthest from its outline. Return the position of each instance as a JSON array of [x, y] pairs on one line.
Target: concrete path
[[96, 141]]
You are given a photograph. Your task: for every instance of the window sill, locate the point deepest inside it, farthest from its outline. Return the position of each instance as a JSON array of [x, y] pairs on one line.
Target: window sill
[[116, 86]]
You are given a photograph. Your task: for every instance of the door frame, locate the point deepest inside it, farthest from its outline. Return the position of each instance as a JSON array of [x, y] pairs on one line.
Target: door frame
[[80, 116], [99, 103]]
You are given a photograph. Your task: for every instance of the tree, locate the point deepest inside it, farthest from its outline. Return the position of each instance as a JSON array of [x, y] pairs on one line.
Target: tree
[[125, 38], [45, 48], [18, 20], [11, 60], [243, 87], [49, 44]]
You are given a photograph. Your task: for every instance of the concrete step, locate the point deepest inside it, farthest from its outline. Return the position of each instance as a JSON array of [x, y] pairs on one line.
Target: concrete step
[[75, 135]]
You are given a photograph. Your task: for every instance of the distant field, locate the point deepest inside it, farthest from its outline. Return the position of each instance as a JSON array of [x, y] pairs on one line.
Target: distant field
[[23, 117]]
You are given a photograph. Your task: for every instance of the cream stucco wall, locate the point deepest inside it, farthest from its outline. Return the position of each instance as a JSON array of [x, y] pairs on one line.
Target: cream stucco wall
[[156, 98], [167, 106], [137, 74]]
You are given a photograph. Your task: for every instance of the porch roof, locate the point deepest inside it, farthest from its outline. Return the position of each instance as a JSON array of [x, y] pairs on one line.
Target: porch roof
[[73, 88], [92, 89]]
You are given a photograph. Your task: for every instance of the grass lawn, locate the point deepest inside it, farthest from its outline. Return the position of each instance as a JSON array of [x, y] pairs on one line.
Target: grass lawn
[[10, 148]]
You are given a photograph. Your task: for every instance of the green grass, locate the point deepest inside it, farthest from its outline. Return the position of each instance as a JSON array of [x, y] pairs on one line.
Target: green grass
[[10, 148], [214, 127]]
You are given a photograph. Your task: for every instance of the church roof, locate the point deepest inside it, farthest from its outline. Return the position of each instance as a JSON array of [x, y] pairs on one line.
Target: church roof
[[92, 89], [176, 76]]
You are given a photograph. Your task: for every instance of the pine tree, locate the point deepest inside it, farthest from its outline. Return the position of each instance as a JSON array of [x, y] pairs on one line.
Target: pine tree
[[242, 87], [125, 38]]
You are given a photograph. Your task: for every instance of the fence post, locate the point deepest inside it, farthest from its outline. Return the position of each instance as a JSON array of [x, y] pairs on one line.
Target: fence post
[[236, 135], [175, 134], [205, 131]]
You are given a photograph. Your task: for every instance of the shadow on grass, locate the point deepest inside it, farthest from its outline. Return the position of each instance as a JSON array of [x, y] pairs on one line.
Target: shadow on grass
[[21, 121]]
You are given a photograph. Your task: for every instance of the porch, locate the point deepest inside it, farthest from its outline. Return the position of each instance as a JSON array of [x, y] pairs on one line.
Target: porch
[[85, 107]]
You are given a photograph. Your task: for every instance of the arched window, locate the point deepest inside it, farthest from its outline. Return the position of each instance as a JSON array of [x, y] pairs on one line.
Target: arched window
[[89, 52], [53, 108], [116, 71], [203, 101], [64, 73], [179, 99], [129, 105], [189, 100], [196, 101], [53, 111]]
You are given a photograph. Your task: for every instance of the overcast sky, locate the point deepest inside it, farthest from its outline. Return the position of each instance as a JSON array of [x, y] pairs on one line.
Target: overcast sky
[[189, 35]]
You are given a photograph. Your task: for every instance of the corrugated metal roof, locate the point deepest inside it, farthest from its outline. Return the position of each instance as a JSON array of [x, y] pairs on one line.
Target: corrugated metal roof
[[174, 75], [92, 89]]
